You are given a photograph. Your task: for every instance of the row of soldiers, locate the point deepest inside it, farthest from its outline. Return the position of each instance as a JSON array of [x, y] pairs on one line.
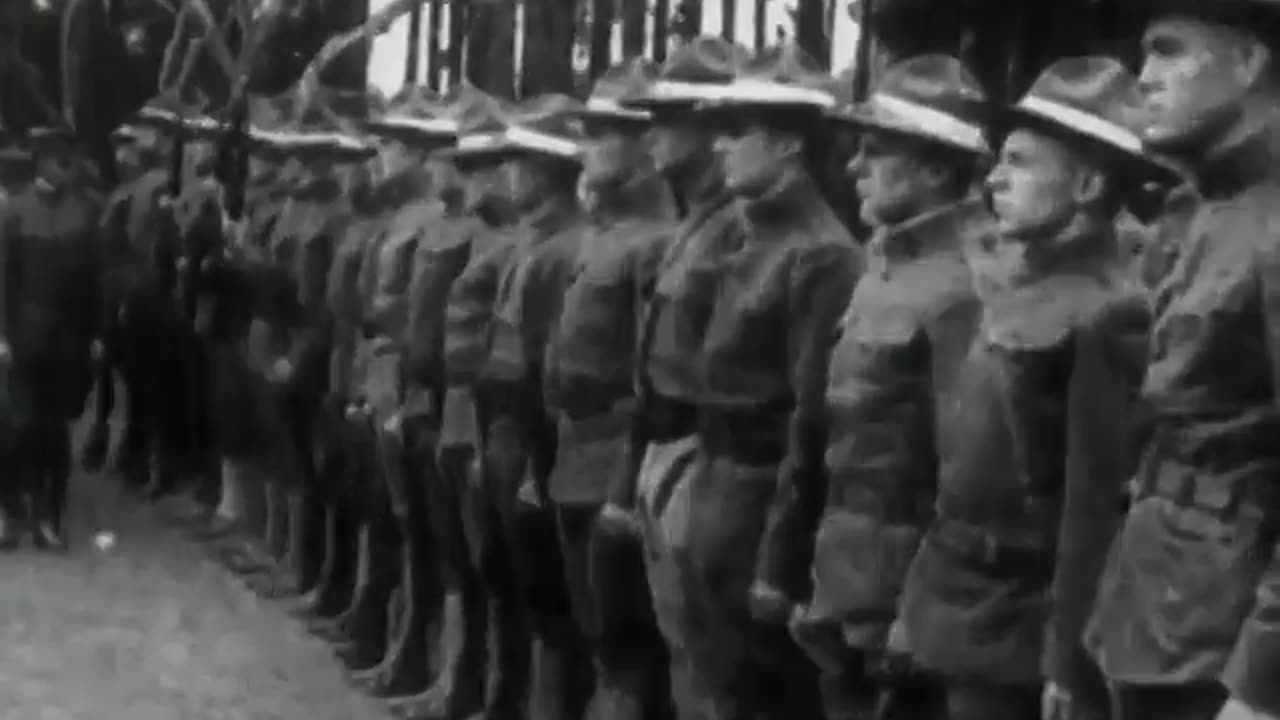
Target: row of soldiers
[[560, 408]]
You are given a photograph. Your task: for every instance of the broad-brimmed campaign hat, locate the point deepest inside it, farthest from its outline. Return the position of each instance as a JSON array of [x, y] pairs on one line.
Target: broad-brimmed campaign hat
[[930, 97], [415, 115], [692, 73], [324, 126], [782, 77], [548, 124], [1261, 16], [1092, 100], [482, 121], [627, 79]]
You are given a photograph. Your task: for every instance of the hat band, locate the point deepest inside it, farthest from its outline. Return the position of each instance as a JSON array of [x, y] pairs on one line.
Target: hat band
[[480, 141], [429, 126], [609, 106], [1083, 122], [929, 121], [678, 91], [764, 92], [536, 141]]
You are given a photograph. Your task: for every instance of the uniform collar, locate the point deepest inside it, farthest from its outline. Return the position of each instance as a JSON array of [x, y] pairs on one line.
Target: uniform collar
[[642, 196], [552, 215], [1079, 251], [1237, 165], [790, 198], [941, 230]]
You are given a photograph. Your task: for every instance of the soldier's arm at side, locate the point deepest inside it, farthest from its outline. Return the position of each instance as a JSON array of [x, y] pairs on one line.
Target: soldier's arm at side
[[11, 274], [1253, 670], [821, 284], [1101, 445], [643, 269]]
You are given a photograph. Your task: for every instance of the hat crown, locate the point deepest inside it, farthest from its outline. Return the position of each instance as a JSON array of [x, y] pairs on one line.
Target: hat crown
[[787, 64], [553, 113], [478, 112], [1099, 86], [936, 80], [704, 59], [625, 79]]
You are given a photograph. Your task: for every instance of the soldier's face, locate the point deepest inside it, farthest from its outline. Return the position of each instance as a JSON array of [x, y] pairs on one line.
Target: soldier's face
[[1033, 186], [752, 156], [1194, 81], [611, 152], [888, 176], [482, 184], [525, 181], [675, 143]]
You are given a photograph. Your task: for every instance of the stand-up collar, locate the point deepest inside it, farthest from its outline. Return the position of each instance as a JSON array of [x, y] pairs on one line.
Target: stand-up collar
[[552, 215], [792, 197], [1238, 165], [944, 229], [641, 196]]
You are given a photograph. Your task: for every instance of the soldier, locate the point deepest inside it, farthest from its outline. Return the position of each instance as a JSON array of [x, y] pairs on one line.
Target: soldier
[[139, 224], [415, 126], [761, 374], [1034, 427], [339, 475], [589, 384], [51, 321], [290, 339], [1185, 623], [377, 377], [654, 495], [15, 175], [520, 446], [902, 337], [458, 501]]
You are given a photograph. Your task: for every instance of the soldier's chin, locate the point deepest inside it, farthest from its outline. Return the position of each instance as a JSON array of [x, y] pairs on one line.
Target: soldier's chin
[[1171, 139]]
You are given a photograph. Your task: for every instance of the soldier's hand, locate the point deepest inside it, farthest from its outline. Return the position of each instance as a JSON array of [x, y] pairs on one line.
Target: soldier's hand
[[1235, 709], [281, 370], [617, 520], [768, 604], [6, 352], [1056, 703], [823, 646], [97, 351]]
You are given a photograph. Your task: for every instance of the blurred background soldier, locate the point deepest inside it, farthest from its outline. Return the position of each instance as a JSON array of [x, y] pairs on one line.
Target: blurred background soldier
[[461, 516], [16, 173], [520, 448], [589, 385], [51, 319], [414, 126]]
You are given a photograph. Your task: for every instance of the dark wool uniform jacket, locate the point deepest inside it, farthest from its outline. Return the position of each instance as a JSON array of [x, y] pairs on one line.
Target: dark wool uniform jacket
[[1192, 588]]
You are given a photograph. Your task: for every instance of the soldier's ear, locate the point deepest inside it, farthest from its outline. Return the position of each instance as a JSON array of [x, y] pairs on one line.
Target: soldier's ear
[[1252, 61], [1092, 186]]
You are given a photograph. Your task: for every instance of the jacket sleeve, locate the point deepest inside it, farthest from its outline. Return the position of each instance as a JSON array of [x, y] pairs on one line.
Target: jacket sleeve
[[11, 273], [1254, 665], [820, 286], [643, 269], [1101, 447]]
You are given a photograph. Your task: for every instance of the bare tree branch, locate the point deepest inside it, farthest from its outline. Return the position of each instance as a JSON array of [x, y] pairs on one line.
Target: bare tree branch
[[376, 25]]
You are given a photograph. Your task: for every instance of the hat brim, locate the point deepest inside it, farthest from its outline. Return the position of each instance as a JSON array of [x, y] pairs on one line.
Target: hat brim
[[1133, 161], [920, 123], [1262, 14], [291, 144], [608, 110], [414, 130]]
